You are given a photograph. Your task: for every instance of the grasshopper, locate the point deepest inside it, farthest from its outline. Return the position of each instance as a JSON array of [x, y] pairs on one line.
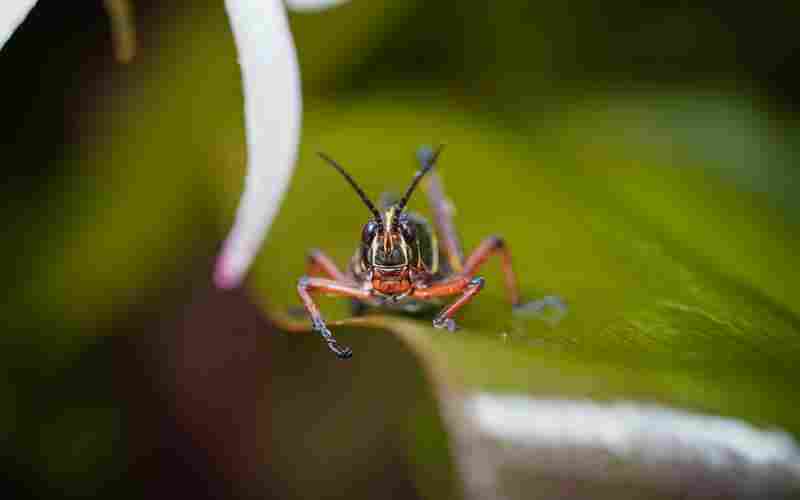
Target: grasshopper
[[401, 261]]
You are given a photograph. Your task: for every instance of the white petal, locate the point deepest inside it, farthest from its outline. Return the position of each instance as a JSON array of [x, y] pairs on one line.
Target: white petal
[[271, 81], [12, 13], [312, 5]]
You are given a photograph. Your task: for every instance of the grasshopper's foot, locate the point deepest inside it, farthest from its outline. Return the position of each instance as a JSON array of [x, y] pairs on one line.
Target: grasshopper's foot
[[445, 323], [341, 351], [550, 308]]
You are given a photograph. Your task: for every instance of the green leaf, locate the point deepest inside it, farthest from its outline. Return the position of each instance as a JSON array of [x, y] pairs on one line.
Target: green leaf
[[680, 286]]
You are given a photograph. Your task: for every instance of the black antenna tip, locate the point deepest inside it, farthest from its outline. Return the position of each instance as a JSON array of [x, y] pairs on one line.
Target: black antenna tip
[[426, 154], [427, 157]]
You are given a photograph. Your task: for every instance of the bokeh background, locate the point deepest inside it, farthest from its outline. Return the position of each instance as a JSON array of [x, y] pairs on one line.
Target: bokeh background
[[127, 374]]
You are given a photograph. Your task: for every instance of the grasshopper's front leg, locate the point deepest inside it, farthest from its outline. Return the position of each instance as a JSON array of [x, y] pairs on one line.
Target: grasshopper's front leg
[[467, 286], [305, 286]]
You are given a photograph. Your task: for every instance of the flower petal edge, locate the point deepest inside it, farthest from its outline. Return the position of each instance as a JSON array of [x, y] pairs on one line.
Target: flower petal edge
[[12, 13], [312, 5], [272, 100]]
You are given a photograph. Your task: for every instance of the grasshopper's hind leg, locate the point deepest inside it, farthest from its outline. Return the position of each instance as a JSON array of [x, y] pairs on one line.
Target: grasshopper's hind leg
[[442, 215], [495, 245]]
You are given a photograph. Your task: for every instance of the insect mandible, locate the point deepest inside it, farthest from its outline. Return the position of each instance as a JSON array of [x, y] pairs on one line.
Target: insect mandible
[[401, 259]]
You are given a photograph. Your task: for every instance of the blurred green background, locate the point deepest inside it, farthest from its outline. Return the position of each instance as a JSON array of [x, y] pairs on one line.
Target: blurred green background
[[640, 161]]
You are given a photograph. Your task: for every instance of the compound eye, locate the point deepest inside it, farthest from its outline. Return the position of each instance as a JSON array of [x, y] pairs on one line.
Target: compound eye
[[370, 229], [409, 231]]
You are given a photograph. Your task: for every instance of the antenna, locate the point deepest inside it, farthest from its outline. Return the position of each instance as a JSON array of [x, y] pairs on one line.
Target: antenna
[[350, 180], [429, 160]]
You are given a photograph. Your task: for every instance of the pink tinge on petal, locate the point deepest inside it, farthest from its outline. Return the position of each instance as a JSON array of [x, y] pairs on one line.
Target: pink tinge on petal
[[224, 276]]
